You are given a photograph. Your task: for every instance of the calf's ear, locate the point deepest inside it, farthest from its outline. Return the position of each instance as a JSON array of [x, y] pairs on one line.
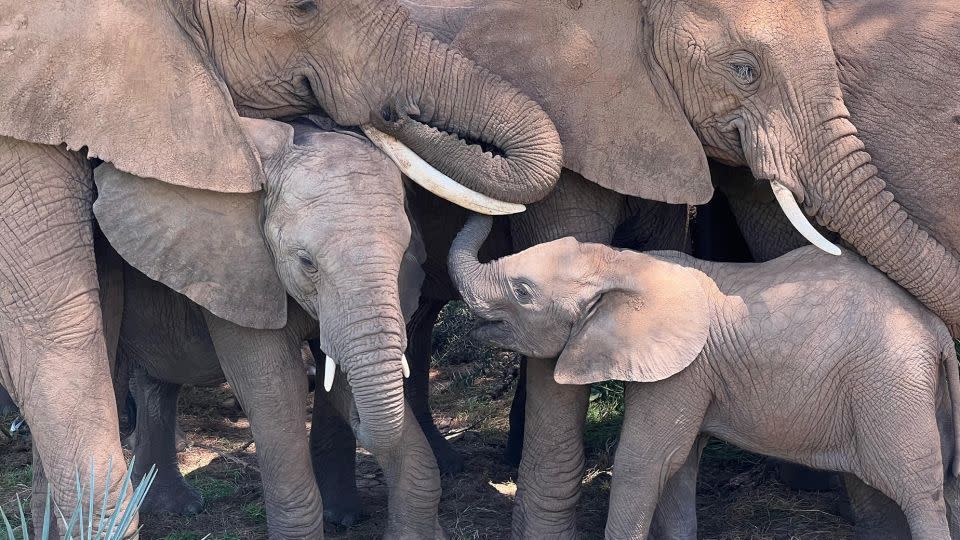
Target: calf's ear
[[650, 323]]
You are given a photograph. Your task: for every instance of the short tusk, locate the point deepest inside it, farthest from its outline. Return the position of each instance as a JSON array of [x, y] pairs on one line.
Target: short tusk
[[435, 181], [405, 366], [799, 220], [329, 371]]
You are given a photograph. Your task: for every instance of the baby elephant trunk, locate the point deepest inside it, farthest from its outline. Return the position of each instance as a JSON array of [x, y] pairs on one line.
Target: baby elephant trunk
[[475, 281], [949, 358]]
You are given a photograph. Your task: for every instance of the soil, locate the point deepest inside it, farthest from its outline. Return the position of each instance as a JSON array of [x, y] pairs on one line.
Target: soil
[[740, 495]]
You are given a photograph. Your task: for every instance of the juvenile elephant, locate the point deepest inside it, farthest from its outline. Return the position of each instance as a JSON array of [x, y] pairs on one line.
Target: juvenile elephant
[[331, 231], [815, 359], [155, 87]]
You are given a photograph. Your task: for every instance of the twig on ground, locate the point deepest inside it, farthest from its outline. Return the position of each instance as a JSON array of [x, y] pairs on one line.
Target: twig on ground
[[228, 457]]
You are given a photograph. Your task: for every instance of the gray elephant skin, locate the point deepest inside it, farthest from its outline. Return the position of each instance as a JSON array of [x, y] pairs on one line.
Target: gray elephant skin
[[812, 358], [641, 92], [155, 88], [331, 231]]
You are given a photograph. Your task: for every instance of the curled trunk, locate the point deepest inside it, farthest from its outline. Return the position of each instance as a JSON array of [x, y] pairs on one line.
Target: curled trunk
[[848, 197], [474, 280], [469, 123]]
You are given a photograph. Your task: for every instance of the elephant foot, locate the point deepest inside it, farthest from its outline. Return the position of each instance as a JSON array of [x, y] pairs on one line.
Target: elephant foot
[[343, 512], [449, 461], [175, 496]]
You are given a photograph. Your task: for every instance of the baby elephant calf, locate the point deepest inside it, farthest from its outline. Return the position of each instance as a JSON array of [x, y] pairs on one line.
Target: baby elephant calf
[[812, 358]]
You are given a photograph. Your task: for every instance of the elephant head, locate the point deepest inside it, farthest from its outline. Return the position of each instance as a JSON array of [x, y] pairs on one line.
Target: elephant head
[[330, 230], [643, 91], [606, 313], [175, 73]]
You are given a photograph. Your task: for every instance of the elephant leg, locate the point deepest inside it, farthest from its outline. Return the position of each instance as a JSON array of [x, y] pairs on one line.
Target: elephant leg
[[265, 371], [333, 450], [417, 387], [514, 450], [411, 473], [875, 516], [658, 439], [51, 329], [676, 515], [154, 444], [551, 469]]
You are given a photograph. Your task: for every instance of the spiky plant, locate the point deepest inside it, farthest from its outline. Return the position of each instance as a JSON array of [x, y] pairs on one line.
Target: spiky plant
[[107, 527]]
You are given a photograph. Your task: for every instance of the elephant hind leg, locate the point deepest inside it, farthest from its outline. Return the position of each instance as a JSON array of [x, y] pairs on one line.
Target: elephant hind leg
[[51, 330]]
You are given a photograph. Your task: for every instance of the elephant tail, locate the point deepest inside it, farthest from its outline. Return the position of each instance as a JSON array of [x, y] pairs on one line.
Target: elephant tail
[[949, 357]]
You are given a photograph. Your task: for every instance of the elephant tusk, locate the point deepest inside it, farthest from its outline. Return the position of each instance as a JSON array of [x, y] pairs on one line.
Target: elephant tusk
[[405, 366], [799, 220], [435, 181], [329, 371]]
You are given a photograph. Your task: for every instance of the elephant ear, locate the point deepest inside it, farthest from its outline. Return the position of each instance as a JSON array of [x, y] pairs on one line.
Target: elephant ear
[[203, 244], [586, 62], [651, 325], [412, 275], [123, 79]]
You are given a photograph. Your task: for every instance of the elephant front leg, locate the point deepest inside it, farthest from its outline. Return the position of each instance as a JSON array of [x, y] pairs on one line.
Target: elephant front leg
[[548, 483], [676, 514], [417, 387], [51, 330], [333, 450], [661, 423], [411, 472], [265, 370], [155, 443]]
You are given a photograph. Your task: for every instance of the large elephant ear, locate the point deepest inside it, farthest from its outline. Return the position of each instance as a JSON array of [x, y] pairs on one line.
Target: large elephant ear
[[586, 62], [649, 325], [122, 78], [202, 244]]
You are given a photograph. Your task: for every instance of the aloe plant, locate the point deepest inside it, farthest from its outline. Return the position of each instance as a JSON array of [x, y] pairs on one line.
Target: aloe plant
[[81, 525]]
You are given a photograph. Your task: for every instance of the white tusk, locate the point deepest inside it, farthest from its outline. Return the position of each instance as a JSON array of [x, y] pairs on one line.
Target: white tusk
[[435, 181], [329, 370], [405, 366], [799, 220]]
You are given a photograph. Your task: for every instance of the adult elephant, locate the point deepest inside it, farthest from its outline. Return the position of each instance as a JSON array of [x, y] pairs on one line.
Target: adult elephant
[[642, 93], [155, 88]]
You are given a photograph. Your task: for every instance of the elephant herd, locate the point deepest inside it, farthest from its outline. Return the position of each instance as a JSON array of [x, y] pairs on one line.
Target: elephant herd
[[194, 188]]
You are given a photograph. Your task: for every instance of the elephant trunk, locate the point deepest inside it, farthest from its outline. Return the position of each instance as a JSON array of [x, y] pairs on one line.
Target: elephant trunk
[[844, 194], [470, 124], [368, 340], [474, 280]]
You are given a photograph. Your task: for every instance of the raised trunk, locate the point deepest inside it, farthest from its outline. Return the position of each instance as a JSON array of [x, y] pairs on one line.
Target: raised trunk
[[473, 279], [469, 123], [845, 195]]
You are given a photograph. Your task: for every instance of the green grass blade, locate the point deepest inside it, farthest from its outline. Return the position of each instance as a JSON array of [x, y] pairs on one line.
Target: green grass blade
[[47, 516], [136, 500], [23, 520], [122, 495], [106, 495], [6, 523]]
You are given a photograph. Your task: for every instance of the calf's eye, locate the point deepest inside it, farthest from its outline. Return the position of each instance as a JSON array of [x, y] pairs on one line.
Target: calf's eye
[[306, 262]]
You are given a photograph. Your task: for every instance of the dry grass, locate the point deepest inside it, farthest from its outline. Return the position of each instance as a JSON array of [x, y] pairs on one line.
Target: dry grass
[[739, 495]]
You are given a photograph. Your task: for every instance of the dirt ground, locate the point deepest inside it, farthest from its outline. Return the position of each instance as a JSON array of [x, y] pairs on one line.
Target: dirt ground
[[739, 494]]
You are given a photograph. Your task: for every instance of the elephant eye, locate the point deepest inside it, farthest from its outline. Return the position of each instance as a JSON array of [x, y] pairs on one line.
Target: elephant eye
[[522, 292], [306, 262], [305, 7], [745, 74]]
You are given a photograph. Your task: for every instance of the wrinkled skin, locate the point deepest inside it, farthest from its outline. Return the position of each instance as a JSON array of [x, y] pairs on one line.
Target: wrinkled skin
[[693, 338], [155, 88], [631, 97], [335, 236]]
